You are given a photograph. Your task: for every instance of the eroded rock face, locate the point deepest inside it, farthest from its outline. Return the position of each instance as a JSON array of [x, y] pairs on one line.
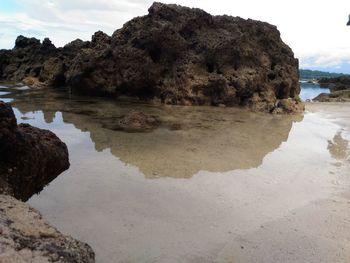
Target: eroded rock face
[[30, 157], [175, 55], [186, 56], [37, 64], [26, 237]]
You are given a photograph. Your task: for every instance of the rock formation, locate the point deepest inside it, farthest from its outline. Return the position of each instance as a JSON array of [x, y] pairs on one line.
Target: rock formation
[[26, 237], [334, 96], [175, 55], [37, 64], [335, 84], [340, 89], [30, 157]]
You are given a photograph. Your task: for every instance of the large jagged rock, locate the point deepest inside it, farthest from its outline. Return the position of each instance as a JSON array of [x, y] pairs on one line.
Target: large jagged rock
[[175, 55], [30, 157], [38, 64], [26, 237], [186, 56]]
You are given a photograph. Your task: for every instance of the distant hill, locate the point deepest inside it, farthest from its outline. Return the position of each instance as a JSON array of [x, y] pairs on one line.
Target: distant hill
[[316, 74]]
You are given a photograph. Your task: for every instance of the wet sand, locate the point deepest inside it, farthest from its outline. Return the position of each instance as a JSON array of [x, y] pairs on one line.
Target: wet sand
[[229, 186]]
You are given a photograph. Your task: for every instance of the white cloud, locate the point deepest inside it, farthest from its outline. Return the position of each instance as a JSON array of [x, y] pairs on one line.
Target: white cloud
[[315, 29]]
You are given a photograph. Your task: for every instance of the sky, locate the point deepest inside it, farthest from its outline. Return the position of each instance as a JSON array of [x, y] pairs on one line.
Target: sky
[[315, 29]]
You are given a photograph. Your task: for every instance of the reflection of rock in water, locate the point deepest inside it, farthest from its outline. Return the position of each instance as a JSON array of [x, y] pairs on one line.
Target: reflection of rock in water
[[190, 139], [210, 140], [338, 148], [49, 116]]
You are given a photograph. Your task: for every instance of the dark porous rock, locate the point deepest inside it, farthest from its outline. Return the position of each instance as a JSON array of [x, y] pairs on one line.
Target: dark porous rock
[[175, 55], [26, 59], [134, 121], [340, 89], [26, 237], [100, 40], [77, 45], [25, 42], [30, 157], [38, 64], [335, 84], [186, 56]]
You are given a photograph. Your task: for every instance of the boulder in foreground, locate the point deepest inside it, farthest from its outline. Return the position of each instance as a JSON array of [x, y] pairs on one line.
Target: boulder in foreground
[[26, 237], [30, 157]]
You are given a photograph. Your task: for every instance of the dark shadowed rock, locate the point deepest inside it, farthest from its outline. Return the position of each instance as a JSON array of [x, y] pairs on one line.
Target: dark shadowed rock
[[25, 42], [100, 39], [38, 64], [340, 89], [30, 157], [186, 56], [174, 55], [47, 44], [26, 237], [338, 83]]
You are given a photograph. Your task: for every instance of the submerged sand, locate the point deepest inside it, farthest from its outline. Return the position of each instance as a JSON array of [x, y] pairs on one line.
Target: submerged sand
[[226, 186]]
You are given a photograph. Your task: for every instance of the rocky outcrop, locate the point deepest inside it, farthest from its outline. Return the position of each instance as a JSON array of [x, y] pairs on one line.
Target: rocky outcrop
[[335, 96], [174, 55], [186, 56], [26, 237], [340, 89], [30, 157], [335, 84], [38, 64]]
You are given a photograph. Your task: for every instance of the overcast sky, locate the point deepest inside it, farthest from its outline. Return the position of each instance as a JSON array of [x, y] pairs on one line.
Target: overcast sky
[[315, 29]]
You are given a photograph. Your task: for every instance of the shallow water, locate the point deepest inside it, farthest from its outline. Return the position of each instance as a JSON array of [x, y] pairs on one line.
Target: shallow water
[[209, 185], [310, 91]]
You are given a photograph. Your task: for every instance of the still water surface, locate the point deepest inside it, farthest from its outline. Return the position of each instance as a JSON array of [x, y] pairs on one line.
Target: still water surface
[[309, 91], [209, 185]]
